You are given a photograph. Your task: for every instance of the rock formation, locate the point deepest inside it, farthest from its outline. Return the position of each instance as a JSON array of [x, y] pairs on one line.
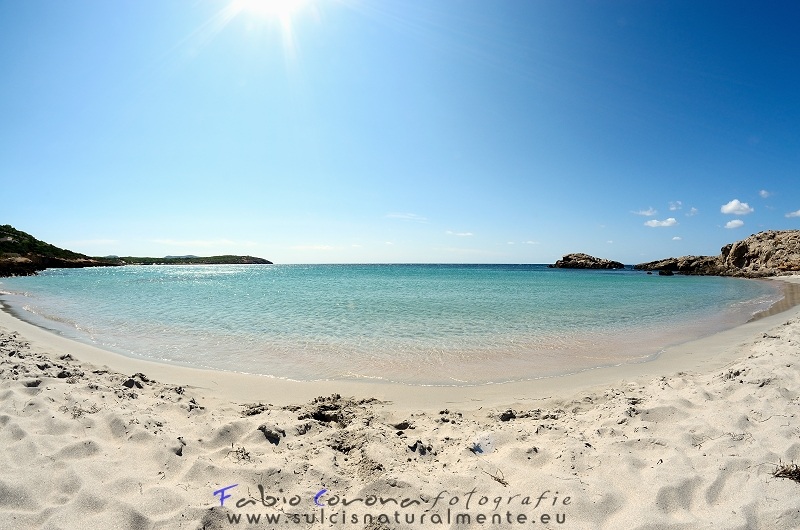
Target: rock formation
[[585, 261], [769, 253], [30, 264], [703, 265]]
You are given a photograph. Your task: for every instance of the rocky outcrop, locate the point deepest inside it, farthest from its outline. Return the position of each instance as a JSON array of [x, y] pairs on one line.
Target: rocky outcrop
[[585, 261], [17, 266], [30, 264], [769, 253], [703, 265]]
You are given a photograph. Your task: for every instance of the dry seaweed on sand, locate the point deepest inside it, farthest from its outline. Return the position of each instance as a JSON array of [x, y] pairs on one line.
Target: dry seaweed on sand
[[790, 471], [498, 476]]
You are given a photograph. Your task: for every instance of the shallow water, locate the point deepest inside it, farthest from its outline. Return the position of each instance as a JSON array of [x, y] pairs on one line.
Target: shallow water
[[421, 324]]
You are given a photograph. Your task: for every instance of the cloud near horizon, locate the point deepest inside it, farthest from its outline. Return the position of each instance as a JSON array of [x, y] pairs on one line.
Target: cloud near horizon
[[647, 213], [736, 207], [736, 223], [459, 234], [666, 222], [793, 214]]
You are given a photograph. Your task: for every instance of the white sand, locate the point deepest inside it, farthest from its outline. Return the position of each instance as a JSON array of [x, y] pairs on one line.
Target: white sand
[[690, 440]]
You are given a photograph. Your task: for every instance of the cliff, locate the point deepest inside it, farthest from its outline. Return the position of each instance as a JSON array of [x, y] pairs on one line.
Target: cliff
[[585, 261], [769, 253]]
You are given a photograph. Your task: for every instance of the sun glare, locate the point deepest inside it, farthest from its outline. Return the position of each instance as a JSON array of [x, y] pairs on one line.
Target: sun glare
[[275, 9], [282, 12]]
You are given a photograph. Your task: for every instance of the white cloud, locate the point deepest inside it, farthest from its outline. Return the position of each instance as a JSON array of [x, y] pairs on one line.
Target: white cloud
[[735, 207], [459, 234], [408, 217], [666, 222], [793, 214], [677, 238], [647, 213], [736, 223], [610, 242], [693, 211], [764, 194], [531, 242], [675, 205]]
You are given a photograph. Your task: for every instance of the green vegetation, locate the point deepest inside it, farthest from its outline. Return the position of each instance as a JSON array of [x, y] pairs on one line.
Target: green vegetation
[[21, 254], [13, 241]]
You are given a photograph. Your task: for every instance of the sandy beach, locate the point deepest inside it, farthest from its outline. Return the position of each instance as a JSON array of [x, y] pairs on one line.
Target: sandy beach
[[690, 440]]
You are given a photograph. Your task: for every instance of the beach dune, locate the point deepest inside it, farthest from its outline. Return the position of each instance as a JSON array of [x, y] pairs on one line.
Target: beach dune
[[692, 440]]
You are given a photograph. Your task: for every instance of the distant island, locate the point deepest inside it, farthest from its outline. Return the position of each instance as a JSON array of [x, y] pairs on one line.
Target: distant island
[[21, 254], [585, 261], [195, 260]]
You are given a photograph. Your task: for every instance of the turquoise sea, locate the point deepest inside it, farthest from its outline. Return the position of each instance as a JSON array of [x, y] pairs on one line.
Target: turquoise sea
[[417, 324]]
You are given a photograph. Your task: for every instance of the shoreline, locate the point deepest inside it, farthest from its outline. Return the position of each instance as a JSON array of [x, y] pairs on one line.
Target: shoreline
[[791, 297], [529, 341], [716, 350], [692, 439]]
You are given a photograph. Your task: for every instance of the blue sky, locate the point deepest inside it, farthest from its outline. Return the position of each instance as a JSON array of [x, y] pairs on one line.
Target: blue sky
[[325, 131]]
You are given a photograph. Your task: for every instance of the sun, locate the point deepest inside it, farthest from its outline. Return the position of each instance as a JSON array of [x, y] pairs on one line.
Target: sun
[[283, 13], [282, 10]]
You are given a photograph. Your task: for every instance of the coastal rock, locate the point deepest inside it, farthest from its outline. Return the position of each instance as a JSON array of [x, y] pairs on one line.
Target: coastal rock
[[769, 253], [16, 265], [585, 261], [701, 265], [31, 264]]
